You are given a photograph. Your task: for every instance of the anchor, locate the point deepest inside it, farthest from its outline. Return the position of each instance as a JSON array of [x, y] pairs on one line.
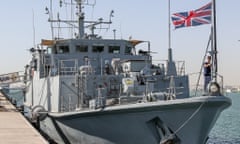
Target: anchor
[[164, 134]]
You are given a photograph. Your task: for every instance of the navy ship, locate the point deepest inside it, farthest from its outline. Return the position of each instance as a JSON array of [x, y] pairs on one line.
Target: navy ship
[[91, 90]]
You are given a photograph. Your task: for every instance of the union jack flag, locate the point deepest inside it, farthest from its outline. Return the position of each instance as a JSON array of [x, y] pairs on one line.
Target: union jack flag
[[193, 18]]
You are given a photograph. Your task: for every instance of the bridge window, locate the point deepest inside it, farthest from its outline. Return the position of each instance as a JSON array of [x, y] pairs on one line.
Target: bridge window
[[97, 48], [63, 49], [49, 50], [114, 49], [128, 50], [81, 48]]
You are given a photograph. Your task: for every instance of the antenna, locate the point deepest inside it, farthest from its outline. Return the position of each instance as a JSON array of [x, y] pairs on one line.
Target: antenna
[[114, 33], [33, 26], [80, 23], [50, 17]]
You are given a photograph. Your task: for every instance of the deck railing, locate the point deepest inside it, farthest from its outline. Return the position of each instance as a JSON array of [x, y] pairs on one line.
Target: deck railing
[[68, 67], [196, 82], [180, 66]]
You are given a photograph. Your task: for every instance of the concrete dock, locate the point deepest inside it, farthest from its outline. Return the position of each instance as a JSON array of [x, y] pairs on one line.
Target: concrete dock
[[14, 128]]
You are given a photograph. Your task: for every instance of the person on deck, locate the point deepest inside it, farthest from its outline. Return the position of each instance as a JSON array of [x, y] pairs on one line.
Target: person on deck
[[207, 72]]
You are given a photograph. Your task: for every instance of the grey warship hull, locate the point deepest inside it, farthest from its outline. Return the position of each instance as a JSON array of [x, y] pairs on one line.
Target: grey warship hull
[[188, 120]]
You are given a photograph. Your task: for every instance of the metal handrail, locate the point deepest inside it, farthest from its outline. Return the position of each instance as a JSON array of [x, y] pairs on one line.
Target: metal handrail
[[199, 88], [180, 66], [67, 70]]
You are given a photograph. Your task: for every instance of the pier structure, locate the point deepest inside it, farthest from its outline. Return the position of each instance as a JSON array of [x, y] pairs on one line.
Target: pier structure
[[14, 128]]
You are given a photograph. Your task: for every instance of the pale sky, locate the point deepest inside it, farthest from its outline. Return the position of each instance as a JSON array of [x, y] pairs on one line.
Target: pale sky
[[140, 19]]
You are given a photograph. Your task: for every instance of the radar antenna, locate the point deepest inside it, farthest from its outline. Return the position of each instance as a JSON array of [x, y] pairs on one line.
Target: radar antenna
[[80, 22]]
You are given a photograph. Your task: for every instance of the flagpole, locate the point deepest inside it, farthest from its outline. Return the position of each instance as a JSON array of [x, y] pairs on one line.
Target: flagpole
[[169, 32], [171, 67], [213, 87], [214, 43]]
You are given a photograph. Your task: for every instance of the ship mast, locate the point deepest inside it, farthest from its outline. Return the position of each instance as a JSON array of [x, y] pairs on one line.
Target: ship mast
[[80, 23], [80, 19]]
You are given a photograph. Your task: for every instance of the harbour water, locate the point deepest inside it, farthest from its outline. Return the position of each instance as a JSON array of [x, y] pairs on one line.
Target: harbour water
[[225, 131], [15, 95], [227, 128]]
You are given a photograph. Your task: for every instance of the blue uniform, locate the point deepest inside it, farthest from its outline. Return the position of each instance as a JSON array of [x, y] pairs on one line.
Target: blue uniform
[[207, 76]]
